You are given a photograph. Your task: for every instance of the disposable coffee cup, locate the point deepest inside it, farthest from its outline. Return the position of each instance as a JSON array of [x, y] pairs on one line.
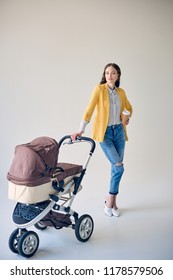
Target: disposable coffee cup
[[125, 117]]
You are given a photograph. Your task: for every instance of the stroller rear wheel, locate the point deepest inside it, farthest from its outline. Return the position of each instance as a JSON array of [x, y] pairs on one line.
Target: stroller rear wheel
[[14, 240], [28, 244], [40, 226], [84, 228]]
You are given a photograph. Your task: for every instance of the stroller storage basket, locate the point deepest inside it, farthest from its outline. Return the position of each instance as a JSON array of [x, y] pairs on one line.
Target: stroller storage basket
[[56, 220]]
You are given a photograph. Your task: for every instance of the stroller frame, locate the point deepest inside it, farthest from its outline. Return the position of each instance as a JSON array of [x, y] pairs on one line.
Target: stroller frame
[[52, 212]]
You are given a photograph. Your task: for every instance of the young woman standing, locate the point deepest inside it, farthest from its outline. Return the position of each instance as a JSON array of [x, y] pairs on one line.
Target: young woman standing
[[109, 128]]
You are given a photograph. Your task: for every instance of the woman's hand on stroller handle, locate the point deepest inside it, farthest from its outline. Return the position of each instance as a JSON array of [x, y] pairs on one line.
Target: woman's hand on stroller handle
[[76, 136]]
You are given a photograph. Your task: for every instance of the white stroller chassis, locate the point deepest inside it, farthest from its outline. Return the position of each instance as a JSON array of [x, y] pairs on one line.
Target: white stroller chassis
[[55, 212]]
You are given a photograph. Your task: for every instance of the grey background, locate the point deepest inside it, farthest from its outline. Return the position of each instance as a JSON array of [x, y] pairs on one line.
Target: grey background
[[52, 54]]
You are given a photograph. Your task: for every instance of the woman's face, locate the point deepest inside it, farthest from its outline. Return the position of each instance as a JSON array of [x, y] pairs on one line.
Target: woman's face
[[111, 76]]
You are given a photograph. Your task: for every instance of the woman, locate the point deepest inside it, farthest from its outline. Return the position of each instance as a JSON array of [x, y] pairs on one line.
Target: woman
[[109, 128]]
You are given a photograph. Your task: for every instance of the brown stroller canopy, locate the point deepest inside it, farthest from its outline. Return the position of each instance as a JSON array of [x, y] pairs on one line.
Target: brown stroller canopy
[[34, 162]]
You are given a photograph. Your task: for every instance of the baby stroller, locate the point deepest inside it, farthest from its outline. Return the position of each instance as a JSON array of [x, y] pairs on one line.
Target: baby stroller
[[44, 190]]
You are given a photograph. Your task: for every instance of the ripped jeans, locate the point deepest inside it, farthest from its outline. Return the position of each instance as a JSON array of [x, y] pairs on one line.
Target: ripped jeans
[[113, 147]]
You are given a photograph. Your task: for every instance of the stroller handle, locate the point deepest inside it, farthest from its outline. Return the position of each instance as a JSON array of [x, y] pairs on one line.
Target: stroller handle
[[78, 139]]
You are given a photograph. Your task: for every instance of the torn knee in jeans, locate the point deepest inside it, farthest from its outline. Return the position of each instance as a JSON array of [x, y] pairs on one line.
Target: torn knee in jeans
[[118, 163]]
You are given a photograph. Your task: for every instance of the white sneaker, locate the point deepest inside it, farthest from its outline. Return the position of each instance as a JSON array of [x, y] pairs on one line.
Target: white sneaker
[[115, 212], [108, 211]]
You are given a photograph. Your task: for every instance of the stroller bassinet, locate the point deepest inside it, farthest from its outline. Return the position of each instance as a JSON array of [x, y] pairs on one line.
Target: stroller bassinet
[[35, 166], [41, 186]]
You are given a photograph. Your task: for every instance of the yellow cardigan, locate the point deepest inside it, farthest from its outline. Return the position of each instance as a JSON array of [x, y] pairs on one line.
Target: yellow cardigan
[[100, 103]]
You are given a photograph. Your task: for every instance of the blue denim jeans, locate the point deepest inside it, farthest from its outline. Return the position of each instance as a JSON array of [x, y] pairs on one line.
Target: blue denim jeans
[[113, 146]]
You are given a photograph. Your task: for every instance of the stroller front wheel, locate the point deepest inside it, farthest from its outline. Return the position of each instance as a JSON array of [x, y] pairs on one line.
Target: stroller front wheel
[[28, 244], [14, 240], [84, 228]]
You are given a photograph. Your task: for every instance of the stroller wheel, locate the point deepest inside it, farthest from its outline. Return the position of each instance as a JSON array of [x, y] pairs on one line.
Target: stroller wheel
[[28, 244], [40, 226], [84, 228], [14, 240]]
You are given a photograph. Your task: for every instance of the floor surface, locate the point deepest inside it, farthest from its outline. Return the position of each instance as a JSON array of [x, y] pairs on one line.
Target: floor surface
[[143, 231]]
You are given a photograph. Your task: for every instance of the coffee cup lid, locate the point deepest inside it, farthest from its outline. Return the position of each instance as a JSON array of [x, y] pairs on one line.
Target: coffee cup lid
[[126, 112]]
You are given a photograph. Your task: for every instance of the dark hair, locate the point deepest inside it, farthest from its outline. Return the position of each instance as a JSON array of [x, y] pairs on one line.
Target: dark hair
[[103, 80]]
